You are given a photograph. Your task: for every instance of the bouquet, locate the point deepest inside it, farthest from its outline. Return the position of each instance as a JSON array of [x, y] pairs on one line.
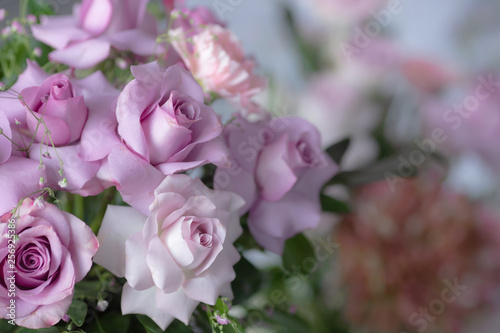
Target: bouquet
[[132, 200]]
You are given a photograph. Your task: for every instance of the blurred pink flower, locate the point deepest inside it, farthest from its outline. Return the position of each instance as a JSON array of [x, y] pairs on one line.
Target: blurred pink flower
[[84, 39], [472, 124], [53, 251], [341, 109], [279, 168], [179, 256], [427, 76], [401, 250], [348, 10]]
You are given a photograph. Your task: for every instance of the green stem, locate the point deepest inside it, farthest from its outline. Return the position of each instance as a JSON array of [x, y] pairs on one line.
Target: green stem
[[79, 207], [23, 8]]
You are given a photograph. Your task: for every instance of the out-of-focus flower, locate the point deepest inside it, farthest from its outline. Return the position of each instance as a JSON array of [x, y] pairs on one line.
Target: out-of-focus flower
[[84, 39], [472, 124], [53, 251], [37, 52], [340, 109], [31, 19], [349, 11], [3, 13], [427, 76], [166, 128], [180, 255], [416, 257], [171, 4], [278, 167], [215, 57], [80, 117]]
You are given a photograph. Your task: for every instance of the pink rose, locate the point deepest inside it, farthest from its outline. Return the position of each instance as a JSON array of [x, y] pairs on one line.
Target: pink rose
[[180, 255], [52, 252], [215, 57], [278, 167], [80, 117], [63, 112], [84, 39], [166, 127]]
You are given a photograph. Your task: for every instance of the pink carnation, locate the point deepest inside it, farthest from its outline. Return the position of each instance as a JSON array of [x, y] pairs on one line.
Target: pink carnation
[[215, 57]]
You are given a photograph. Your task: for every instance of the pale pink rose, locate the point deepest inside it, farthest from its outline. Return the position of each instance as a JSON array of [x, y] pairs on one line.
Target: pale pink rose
[[278, 167], [180, 255], [84, 39], [166, 128], [406, 252], [215, 57], [53, 251], [81, 119]]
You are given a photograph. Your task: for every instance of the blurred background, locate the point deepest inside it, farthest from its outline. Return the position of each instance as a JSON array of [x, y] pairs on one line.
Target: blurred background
[[414, 86]]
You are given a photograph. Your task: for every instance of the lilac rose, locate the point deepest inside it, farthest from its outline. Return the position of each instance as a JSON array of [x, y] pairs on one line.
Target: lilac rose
[[166, 128], [278, 167], [181, 254], [53, 250], [84, 39], [80, 117]]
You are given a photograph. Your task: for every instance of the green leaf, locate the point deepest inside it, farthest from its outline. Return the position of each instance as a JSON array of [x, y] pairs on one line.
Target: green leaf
[[87, 289], [297, 250], [329, 204], [77, 312], [338, 150]]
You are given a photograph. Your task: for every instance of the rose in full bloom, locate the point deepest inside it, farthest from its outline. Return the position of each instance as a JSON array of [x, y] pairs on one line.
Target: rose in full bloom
[[180, 255], [414, 249], [52, 252], [79, 114], [215, 57], [278, 167], [166, 128], [84, 39]]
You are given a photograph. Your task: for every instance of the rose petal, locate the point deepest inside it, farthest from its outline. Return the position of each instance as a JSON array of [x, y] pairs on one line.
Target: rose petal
[[166, 273], [142, 302], [119, 223], [137, 271]]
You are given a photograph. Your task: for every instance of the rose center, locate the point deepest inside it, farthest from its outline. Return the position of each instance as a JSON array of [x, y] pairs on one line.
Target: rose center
[[206, 240]]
